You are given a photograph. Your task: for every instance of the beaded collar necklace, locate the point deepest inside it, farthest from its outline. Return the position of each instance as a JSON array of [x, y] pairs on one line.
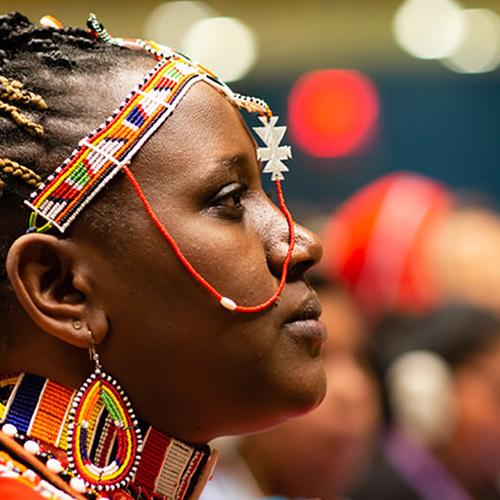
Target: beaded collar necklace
[[36, 412], [110, 148]]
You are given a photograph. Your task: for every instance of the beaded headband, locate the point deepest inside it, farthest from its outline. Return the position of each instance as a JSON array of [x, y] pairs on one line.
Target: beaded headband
[[111, 147]]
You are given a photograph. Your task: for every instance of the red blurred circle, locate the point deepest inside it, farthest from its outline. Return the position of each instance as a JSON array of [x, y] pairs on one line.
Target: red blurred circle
[[333, 112], [379, 242]]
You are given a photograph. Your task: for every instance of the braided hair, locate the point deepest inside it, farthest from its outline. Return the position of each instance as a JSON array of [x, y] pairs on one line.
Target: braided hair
[[42, 114]]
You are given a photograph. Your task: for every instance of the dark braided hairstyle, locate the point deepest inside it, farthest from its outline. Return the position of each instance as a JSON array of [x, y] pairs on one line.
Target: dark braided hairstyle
[[42, 113]]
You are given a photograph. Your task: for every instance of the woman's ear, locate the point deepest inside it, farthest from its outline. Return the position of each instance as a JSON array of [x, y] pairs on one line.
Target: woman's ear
[[52, 285]]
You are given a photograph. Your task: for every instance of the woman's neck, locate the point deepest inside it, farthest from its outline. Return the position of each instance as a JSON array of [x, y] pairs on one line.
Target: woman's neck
[[41, 410]]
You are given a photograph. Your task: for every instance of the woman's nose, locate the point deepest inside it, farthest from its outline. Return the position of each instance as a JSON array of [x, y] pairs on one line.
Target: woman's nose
[[306, 253]]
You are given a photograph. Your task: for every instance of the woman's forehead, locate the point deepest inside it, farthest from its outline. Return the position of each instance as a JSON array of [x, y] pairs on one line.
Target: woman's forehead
[[203, 102], [205, 135], [202, 117]]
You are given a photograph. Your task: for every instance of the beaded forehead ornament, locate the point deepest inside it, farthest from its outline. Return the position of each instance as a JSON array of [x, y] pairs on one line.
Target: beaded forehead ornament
[[110, 148]]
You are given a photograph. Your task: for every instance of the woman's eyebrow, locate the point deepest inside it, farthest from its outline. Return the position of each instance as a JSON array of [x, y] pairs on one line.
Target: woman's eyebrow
[[219, 168], [242, 163], [233, 161]]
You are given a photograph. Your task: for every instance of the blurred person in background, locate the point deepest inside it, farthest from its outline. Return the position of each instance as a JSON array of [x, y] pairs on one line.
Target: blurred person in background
[[323, 454], [439, 376], [405, 243]]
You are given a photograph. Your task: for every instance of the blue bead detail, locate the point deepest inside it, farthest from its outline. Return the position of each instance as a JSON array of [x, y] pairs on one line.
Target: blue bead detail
[[136, 117], [25, 402]]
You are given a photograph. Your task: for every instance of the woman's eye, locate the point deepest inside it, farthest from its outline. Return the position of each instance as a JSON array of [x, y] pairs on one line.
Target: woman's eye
[[228, 202], [233, 200]]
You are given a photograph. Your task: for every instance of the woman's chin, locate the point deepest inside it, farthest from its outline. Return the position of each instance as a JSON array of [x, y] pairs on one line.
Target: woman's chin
[[311, 391], [300, 401]]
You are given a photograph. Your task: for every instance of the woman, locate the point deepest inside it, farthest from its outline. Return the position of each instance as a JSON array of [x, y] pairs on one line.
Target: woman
[[191, 328]]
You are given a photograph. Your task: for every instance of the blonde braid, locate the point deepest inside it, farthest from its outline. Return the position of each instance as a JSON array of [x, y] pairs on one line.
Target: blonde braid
[[13, 92], [21, 119], [13, 168]]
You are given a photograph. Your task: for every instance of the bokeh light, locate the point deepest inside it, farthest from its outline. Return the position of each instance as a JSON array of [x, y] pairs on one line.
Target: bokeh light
[[333, 112], [428, 29], [479, 49], [224, 44], [169, 22]]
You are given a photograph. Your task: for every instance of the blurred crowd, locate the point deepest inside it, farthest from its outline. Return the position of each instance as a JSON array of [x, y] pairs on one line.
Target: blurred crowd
[[410, 289]]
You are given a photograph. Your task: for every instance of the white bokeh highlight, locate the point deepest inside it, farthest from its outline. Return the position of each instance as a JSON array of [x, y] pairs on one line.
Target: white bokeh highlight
[[225, 45], [479, 48], [169, 22], [428, 29]]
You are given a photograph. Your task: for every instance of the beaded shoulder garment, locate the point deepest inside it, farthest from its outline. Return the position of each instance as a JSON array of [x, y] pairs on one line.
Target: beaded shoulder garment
[[35, 413]]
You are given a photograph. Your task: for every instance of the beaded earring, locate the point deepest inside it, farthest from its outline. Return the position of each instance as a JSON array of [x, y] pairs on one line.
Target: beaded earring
[[98, 393]]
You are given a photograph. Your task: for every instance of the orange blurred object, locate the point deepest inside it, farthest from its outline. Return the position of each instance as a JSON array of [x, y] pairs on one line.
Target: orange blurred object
[[380, 243]]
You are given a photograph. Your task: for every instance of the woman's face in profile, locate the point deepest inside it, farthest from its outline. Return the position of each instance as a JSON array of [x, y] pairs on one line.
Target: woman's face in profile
[[190, 366]]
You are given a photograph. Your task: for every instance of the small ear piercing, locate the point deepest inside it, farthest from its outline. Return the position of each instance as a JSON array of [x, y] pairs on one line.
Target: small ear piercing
[[77, 324]]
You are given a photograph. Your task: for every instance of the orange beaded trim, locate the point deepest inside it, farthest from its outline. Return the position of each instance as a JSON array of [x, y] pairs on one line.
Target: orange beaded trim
[[168, 469]]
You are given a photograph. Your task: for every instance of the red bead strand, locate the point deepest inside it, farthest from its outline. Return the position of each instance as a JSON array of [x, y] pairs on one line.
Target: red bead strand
[[197, 275]]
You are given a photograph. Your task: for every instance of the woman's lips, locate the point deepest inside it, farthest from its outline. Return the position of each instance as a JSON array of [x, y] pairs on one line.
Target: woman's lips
[[305, 322], [312, 329]]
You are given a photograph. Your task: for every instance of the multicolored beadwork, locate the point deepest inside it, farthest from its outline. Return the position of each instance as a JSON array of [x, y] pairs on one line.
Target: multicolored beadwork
[[104, 153], [16, 470], [110, 148], [168, 469], [102, 388]]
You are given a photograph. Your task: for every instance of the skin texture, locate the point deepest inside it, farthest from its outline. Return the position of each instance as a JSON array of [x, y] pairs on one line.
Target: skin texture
[[322, 454], [190, 367]]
